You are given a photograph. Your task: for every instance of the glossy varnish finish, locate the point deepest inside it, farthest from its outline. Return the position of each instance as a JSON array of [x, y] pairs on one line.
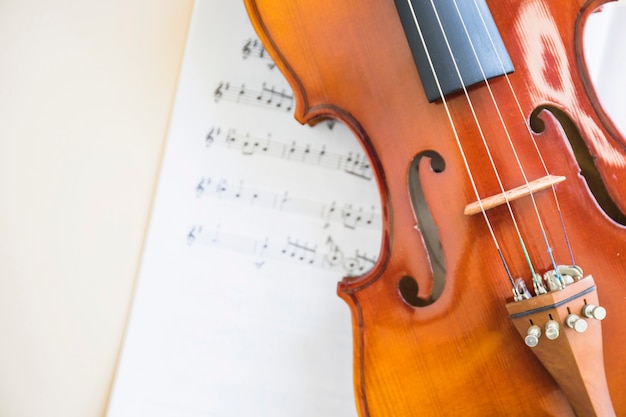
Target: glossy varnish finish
[[460, 355]]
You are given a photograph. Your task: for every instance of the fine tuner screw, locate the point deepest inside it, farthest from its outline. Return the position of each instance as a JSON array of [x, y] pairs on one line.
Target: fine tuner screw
[[552, 329], [594, 312], [575, 322], [532, 338]]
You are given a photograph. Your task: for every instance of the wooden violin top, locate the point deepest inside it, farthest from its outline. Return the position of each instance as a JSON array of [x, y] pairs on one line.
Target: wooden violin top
[[432, 333]]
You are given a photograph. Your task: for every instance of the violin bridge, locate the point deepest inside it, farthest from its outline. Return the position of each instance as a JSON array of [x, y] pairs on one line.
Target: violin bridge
[[512, 194]]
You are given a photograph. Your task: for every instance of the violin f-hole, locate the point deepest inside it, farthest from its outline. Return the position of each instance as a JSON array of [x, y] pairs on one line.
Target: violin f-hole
[[408, 286], [584, 160]]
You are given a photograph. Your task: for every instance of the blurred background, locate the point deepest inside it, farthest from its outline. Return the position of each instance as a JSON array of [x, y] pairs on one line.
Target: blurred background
[[86, 90]]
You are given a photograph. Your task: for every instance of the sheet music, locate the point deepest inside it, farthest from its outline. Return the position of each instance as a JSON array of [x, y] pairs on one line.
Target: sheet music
[[255, 220]]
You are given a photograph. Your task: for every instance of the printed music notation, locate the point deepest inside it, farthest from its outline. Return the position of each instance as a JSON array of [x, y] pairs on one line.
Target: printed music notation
[[266, 96], [254, 48], [348, 215], [354, 163], [323, 254], [237, 213]]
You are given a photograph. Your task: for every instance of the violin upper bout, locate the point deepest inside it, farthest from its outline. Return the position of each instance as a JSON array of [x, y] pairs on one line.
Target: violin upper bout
[[269, 32], [286, 42]]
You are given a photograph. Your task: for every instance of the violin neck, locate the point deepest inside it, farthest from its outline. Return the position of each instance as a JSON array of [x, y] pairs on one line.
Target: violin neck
[[481, 52]]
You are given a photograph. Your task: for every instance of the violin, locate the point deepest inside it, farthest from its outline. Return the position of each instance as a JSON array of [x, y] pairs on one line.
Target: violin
[[501, 281]]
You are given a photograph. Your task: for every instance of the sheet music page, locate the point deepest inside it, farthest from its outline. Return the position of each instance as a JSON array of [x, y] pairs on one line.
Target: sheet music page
[[256, 219]]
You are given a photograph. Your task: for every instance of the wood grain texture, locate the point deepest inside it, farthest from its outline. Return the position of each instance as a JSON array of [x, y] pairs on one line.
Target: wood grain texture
[[461, 355]]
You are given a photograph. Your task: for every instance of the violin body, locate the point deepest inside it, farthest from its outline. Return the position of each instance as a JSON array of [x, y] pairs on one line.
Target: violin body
[[460, 354]]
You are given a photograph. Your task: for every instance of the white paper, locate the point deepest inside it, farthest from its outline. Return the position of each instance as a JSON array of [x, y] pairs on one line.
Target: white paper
[[256, 219]]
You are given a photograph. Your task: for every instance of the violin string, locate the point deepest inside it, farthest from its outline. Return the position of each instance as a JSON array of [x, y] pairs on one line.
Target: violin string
[[459, 145], [485, 144], [528, 129], [506, 129]]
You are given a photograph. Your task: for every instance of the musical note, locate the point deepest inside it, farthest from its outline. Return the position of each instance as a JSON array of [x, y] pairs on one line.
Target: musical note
[[271, 96], [358, 165], [268, 97], [300, 251], [241, 93], [264, 247], [221, 188], [353, 163], [351, 266], [369, 260], [252, 146], [254, 48], [333, 256], [323, 254], [281, 200], [353, 217], [350, 216]]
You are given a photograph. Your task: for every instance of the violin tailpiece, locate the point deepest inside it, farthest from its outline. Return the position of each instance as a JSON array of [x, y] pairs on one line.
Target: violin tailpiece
[[563, 329]]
